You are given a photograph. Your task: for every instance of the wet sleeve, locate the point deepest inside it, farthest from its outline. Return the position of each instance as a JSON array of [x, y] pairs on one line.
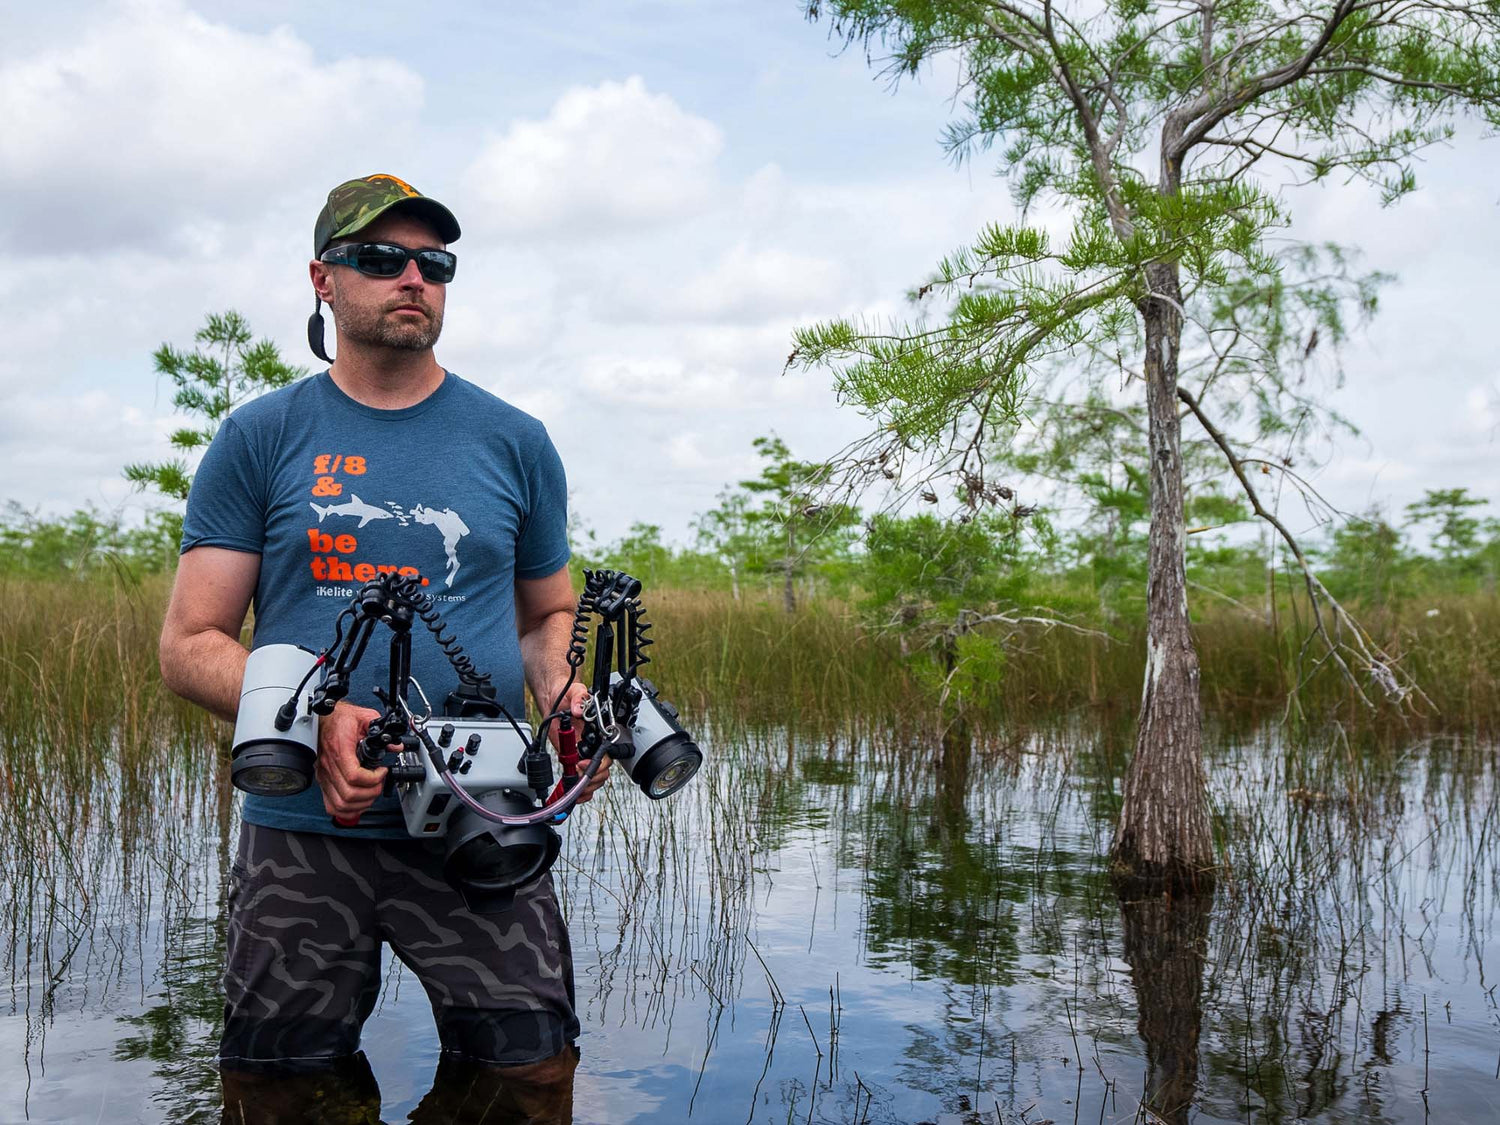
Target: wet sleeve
[[226, 505], [542, 546]]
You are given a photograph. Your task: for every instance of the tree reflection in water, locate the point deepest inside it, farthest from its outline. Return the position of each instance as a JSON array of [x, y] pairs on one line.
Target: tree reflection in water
[[947, 903], [1165, 940]]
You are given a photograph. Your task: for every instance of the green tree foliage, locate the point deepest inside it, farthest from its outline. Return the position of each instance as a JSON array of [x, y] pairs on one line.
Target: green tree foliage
[[772, 525], [1455, 533], [950, 590], [83, 543], [1148, 126], [642, 553], [225, 369], [1368, 562], [731, 534], [783, 525]]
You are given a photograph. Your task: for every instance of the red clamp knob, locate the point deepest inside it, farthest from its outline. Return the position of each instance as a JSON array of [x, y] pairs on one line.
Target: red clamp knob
[[567, 754]]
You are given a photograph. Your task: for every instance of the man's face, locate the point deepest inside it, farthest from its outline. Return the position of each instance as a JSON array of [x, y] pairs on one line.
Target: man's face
[[404, 312]]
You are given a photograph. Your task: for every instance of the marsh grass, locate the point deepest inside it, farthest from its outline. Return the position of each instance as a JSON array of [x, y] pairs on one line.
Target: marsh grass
[[1351, 848], [1359, 873], [82, 703], [106, 779], [822, 668]]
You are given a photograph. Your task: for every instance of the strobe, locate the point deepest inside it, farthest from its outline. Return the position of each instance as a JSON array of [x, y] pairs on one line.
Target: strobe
[[659, 755], [274, 746]]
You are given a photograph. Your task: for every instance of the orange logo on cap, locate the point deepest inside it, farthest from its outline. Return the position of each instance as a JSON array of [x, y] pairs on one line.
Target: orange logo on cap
[[400, 183]]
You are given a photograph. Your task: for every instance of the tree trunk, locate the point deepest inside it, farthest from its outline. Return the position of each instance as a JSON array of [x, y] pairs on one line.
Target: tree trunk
[[1164, 834], [788, 590]]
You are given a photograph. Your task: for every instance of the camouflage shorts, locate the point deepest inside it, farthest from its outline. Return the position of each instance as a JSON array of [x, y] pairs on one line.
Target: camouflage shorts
[[308, 914]]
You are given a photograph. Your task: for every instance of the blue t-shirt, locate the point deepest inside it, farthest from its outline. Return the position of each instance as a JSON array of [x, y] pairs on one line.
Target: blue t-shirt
[[462, 489]]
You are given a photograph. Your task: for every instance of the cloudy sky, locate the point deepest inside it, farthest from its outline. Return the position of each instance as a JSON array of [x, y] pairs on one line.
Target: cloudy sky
[[653, 195]]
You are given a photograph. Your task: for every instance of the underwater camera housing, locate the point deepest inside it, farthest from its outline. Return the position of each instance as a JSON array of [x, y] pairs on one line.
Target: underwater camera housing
[[473, 777], [484, 861]]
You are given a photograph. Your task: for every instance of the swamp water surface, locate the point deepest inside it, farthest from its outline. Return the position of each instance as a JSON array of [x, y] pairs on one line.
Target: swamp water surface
[[846, 931]]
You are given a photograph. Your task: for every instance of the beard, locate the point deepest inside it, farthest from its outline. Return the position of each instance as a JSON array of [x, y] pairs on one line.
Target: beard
[[379, 327]]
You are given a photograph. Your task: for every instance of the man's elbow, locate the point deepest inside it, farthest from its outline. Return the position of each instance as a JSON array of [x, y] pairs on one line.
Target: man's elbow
[[180, 655], [546, 622], [169, 660]]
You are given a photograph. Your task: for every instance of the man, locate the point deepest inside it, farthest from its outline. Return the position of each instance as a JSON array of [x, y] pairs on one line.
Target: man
[[384, 462]]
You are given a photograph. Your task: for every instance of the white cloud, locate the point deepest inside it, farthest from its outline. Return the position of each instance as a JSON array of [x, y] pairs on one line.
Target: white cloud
[[156, 122], [745, 286], [629, 274], [612, 157], [660, 383], [1483, 408], [683, 453], [65, 440]]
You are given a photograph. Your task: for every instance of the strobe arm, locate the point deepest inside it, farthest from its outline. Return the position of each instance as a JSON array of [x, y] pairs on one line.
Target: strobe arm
[[377, 601]]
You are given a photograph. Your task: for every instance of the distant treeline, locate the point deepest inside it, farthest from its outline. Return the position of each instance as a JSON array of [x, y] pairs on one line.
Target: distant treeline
[[1441, 548], [994, 611], [771, 535], [87, 543], [1368, 560]]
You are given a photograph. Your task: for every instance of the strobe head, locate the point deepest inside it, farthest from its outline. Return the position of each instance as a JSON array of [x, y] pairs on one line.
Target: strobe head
[[485, 862], [272, 769], [666, 757], [274, 748]]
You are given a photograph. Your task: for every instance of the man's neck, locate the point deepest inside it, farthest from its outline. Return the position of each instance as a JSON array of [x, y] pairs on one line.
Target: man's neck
[[386, 378]]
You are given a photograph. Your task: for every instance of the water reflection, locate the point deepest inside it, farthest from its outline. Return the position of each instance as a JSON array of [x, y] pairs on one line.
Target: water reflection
[[462, 1093], [1165, 941], [846, 929], [179, 1029]]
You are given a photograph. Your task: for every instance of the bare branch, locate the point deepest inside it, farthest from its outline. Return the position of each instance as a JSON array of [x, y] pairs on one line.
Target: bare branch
[[1362, 648], [1099, 151], [1206, 111]]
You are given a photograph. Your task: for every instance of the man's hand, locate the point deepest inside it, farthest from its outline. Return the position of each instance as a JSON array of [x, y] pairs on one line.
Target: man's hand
[[348, 788], [573, 703], [597, 781]]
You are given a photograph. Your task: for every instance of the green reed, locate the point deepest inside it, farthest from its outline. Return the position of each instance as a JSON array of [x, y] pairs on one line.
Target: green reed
[[81, 696], [825, 668], [115, 792], [87, 730]]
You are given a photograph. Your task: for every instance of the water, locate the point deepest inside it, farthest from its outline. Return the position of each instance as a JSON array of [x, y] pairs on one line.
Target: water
[[840, 931]]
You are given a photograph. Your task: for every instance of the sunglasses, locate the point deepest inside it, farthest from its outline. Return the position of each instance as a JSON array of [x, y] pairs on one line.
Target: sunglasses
[[386, 259]]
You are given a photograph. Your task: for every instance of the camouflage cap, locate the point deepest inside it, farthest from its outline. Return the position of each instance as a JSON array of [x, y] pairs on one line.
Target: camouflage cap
[[355, 204]]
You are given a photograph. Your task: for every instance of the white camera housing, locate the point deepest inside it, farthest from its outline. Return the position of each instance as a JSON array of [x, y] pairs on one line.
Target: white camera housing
[[495, 764]]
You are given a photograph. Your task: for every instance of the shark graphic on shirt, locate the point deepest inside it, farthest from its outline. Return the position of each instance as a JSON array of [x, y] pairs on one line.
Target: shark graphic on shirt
[[352, 507]]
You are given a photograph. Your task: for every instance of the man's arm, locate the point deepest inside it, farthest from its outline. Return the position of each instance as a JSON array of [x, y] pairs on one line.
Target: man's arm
[[203, 661], [201, 657], [544, 623]]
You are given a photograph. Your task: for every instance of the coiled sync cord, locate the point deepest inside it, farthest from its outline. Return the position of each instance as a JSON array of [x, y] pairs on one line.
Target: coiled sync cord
[[595, 584], [409, 589]]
